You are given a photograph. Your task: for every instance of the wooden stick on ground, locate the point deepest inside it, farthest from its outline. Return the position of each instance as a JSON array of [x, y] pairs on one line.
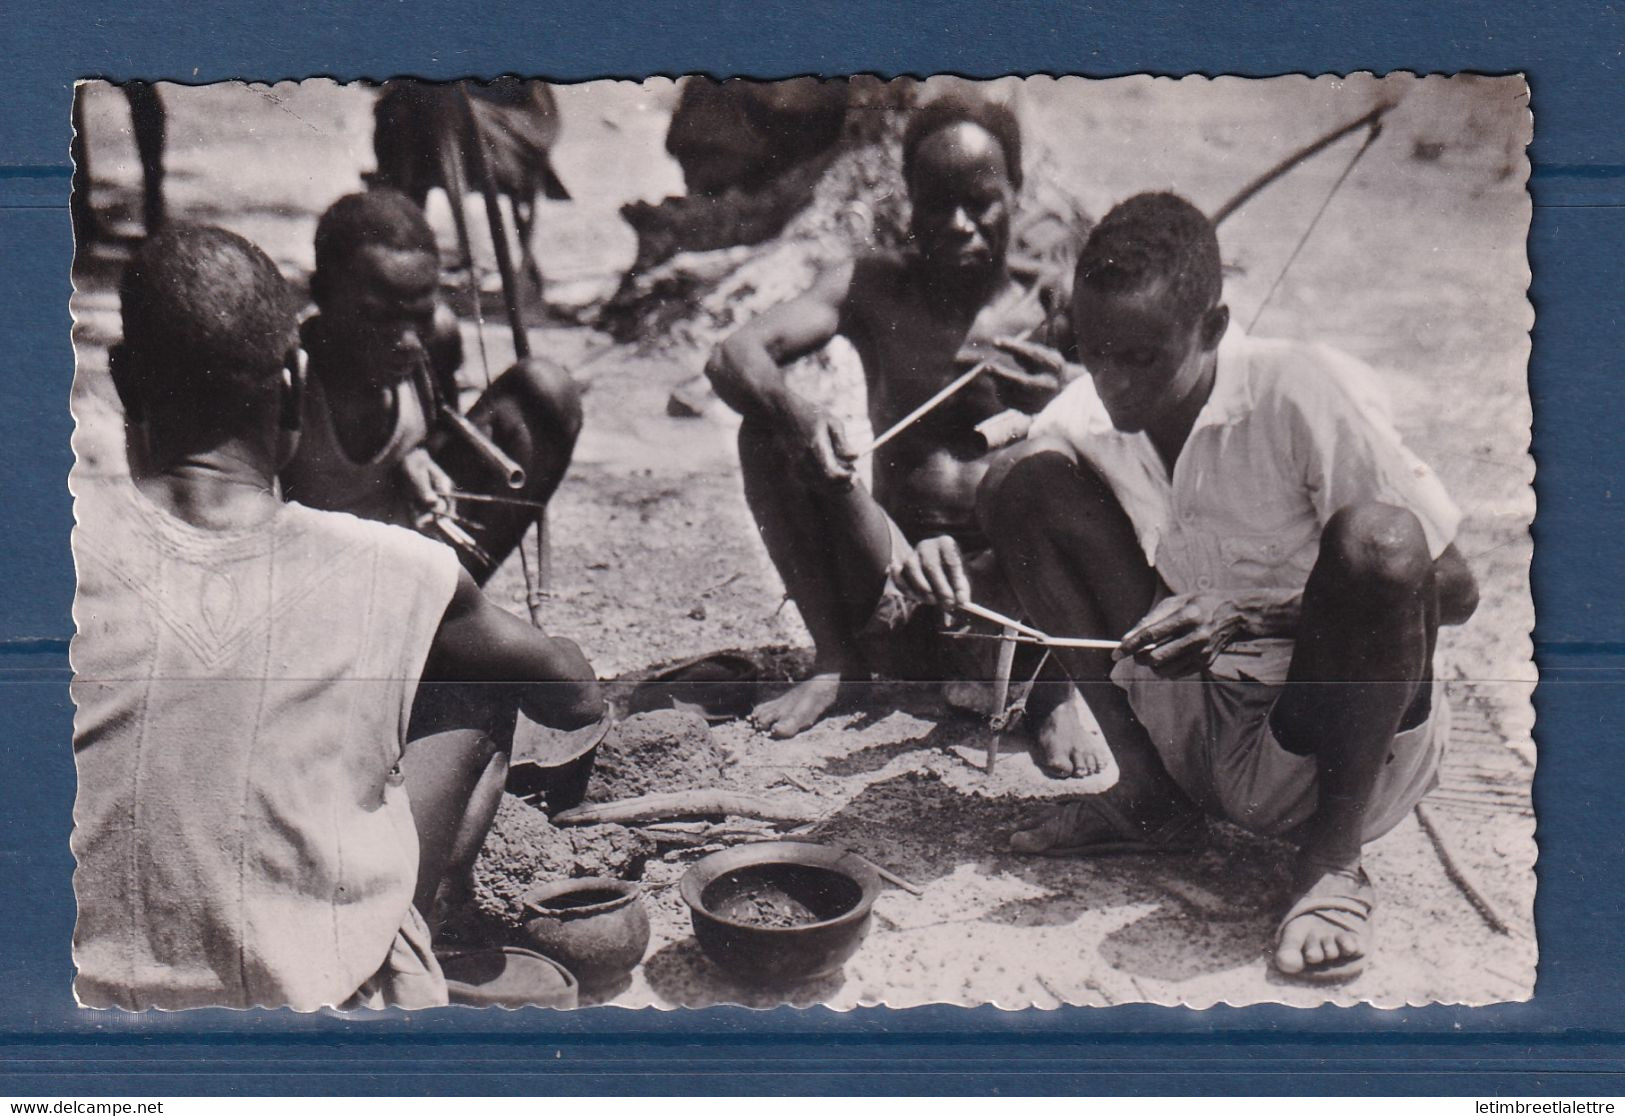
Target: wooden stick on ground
[[1452, 868], [685, 804], [891, 877]]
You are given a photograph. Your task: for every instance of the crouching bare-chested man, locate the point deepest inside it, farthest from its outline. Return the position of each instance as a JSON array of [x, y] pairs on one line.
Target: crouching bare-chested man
[[915, 317]]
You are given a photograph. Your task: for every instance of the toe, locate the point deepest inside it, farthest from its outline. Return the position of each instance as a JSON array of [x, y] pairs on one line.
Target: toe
[[1289, 957], [1348, 944]]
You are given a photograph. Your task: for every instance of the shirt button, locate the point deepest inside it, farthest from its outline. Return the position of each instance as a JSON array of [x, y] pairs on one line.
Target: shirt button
[[1204, 582]]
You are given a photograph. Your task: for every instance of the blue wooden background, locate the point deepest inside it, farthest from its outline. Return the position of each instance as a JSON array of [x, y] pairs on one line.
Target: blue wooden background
[[1569, 1039]]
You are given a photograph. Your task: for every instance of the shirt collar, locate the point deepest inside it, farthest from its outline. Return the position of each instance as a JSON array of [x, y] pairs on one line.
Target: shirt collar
[[1232, 395]]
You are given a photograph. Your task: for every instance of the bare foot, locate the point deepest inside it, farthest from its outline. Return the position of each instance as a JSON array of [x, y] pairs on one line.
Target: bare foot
[[975, 698], [1071, 745], [1326, 935], [800, 708]]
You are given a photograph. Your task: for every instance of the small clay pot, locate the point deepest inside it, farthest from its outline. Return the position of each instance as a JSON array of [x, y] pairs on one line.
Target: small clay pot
[[596, 927], [508, 977]]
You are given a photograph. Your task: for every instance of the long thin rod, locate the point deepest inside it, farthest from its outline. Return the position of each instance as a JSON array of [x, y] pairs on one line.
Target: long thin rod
[[499, 227], [982, 612], [486, 498], [1064, 642], [1371, 138], [535, 581], [926, 408], [1246, 193]]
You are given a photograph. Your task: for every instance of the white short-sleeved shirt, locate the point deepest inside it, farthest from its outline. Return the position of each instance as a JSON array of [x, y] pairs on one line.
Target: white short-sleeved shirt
[[1291, 433]]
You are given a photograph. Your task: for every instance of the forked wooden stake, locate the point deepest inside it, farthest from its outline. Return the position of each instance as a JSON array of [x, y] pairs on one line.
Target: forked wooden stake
[[1001, 693]]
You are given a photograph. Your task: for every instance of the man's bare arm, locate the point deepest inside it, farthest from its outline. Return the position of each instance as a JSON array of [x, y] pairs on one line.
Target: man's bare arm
[[479, 642], [746, 369]]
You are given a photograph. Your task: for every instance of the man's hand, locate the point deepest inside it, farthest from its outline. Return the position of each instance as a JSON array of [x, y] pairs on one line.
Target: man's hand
[[432, 489], [1182, 635], [1034, 357], [936, 572], [1030, 374], [820, 442]]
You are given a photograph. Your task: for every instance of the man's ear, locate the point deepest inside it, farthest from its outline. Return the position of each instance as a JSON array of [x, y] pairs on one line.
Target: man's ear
[[1214, 323], [120, 366], [291, 391]]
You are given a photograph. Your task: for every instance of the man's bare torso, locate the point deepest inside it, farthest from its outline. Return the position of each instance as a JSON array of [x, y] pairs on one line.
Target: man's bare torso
[[913, 342]]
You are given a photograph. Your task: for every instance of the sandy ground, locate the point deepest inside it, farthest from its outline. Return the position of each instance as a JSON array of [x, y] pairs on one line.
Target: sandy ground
[[1417, 267]]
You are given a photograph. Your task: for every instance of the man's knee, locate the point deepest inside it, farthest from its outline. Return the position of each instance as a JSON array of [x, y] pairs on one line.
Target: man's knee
[[548, 395], [1378, 547], [762, 453], [1022, 489]]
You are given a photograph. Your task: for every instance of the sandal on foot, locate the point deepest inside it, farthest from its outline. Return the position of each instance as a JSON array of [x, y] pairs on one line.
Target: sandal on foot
[[1060, 835], [1344, 900]]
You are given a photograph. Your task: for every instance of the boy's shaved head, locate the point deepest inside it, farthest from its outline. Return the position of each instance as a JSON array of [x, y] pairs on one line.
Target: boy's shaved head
[[380, 217], [208, 323], [1151, 239], [993, 118]]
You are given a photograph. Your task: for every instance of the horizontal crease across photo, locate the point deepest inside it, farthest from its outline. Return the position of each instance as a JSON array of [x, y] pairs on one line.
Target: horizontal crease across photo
[[1033, 542]]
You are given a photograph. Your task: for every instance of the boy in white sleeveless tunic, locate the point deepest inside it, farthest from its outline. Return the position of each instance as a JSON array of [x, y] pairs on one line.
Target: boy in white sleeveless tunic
[[244, 674]]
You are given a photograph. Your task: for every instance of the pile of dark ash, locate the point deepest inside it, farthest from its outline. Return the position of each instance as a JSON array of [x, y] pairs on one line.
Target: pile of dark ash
[[649, 753]]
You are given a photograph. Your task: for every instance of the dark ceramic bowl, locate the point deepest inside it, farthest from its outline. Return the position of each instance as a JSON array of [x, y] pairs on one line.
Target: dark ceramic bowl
[[508, 977], [780, 912], [596, 927], [554, 766]]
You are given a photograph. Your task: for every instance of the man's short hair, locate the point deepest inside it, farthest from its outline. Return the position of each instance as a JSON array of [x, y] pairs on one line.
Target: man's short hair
[[380, 216], [208, 323], [1153, 238], [992, 117]]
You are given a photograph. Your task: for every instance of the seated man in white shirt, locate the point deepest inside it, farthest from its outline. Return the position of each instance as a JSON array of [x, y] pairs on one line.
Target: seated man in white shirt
[[1280, 563]]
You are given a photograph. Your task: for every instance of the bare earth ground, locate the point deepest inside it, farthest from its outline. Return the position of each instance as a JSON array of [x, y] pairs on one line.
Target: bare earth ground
[[1418, 267]]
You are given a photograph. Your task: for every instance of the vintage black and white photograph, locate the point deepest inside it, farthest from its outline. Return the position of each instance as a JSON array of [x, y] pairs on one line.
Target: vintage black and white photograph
[[1035, 542]]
